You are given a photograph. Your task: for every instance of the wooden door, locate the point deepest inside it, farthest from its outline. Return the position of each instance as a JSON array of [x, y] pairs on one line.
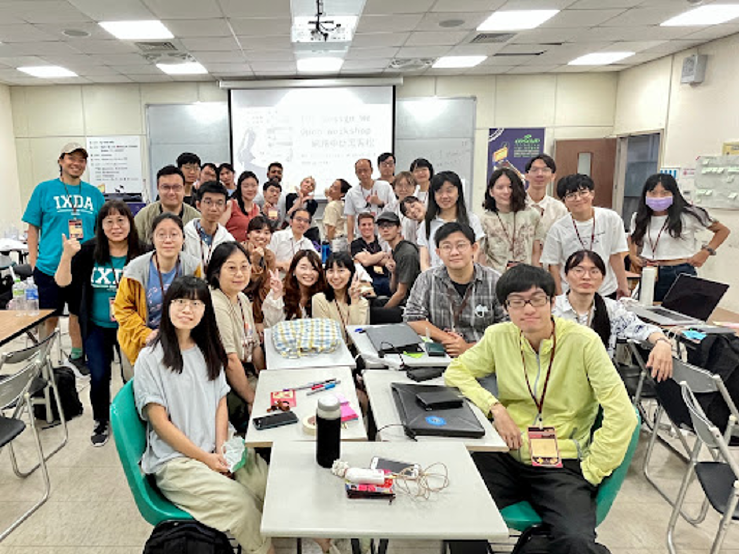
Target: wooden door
[[594, 157]]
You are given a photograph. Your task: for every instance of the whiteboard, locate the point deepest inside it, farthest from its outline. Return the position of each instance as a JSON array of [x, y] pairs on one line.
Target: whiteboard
[[201, 128], [716, 182], [442, 130]]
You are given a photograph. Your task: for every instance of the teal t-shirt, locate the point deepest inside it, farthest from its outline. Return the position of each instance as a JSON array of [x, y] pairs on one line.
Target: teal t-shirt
[[50, 209], [105, 279]]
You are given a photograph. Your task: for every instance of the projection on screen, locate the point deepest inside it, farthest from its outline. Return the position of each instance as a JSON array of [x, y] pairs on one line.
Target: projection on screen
[[319, 132]]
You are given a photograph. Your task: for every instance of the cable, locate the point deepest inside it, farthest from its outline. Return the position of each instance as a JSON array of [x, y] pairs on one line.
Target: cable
[[422, 483]]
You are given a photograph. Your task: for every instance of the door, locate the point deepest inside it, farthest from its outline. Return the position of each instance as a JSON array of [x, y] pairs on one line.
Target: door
[[593, 157]]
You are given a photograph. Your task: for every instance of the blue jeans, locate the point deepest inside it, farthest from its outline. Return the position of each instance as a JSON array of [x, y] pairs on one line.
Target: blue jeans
[[99, 345], [667, 275]]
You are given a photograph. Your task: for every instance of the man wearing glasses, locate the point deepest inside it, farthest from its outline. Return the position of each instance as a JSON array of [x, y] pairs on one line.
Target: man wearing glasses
[[553, 375], [586, 228], [189, 165], [202, 236], [287, 242], [454, 303], [387, 167], [171, 190], [540, 172]]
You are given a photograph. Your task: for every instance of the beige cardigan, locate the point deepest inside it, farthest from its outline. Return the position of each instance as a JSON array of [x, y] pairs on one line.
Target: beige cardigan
[[355, 314]]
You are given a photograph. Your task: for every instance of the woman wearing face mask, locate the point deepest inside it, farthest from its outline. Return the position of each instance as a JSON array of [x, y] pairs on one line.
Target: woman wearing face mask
[[262, 260], [304, 200], [663, 233], [291, 298], [341, 300]]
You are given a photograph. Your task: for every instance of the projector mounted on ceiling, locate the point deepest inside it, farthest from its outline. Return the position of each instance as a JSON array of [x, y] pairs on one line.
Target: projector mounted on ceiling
[[410, 64], [320, 28]]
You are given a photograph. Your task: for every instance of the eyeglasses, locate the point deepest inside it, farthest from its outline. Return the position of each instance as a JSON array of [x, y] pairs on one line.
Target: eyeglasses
[[580, 271], [540, 170], [460, 247], [302, 220], [386, 225], [538, 301], [580, 193], [208, 203], [170, 236], [234, 270], [193, 304], [110, 222], [171, 188], [388, 163]]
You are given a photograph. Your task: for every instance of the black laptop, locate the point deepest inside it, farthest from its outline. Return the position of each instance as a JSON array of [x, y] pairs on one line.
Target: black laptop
[[394, 338], [417, 421]]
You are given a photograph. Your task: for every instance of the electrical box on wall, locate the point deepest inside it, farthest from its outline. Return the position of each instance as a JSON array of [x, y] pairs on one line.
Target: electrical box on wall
[[693, 69]]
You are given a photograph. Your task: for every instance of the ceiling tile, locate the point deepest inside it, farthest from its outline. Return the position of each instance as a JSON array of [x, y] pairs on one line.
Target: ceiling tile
[[218, 67], [233, 56], [97, 71], [150, 78], [422, 51], [206, 44], [538, 4], [189, 28], [599, 4], [715, 32], [22, 33], [476, 49], [388, 23], [580, 18], [509, 60], [672, 46], [55, 30], [258, 67], [384, 7], [117, 78], [634, 46], [41, 48], [365, 40], [647, 16], [487, 70], [526, 48], [42, 12], [468, 5], [272, 56], [471, 20], [532, 69], [183, 9], [262, 27], [372, 63], [122, 59], [257, 44], [21, 61], [104, 46], [370, 53], [635, 32], [189, 78], [240, 8], [119, 10], [436, 39], [542, 36], [147, 69]]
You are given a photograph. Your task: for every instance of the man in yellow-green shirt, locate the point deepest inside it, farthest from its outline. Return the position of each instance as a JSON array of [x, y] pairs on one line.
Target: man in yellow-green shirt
[[552, 376]]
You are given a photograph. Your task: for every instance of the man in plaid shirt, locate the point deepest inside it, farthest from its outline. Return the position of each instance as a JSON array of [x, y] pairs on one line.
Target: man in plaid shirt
[[455, 303]]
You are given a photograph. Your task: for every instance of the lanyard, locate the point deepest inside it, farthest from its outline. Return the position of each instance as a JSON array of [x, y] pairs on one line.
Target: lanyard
[[372, 192], [593, 232], [541, 402], [511, 241], [654, 246], [345, 321], [456, 313], [159, 273], [246, 330], [203, 257], [69, 196]]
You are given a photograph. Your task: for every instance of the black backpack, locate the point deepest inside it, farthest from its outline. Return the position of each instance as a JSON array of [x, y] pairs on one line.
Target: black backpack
[[70, 400], [186, 536]]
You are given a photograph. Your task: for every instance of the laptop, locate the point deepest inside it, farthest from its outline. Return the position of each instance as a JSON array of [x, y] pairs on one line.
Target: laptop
[[417, 421], [395, 339], [689, 301]]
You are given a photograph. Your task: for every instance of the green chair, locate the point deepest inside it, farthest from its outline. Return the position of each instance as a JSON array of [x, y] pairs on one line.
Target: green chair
[[521, 516], [130, 434]]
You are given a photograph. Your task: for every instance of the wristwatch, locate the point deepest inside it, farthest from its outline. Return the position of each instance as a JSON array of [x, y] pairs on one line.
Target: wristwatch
[[709, 249]]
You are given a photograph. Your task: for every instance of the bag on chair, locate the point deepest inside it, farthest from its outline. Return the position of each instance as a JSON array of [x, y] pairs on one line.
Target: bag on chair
[[68, 396], [186, 536]]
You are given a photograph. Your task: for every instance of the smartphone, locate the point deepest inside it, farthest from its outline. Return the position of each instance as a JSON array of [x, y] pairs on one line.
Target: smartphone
[[275, 420], [394, 466], [434, 349]]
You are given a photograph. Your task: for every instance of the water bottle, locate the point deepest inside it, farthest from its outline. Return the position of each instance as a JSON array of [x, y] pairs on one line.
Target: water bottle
[[19, 296], [325, 251], [32, 298], [328, 429]]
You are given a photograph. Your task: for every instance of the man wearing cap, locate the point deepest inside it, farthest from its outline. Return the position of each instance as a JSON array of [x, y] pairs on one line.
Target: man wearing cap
[[65, 207], [404, 267]]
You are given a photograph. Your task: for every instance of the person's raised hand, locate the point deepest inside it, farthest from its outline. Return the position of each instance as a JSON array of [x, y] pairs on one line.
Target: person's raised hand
[[355, 289], [276, 284], [70, 246]]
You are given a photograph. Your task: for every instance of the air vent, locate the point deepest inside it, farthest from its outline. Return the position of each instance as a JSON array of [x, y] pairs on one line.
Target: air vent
[[488, 38], [512, 54], [409, 64], [156, 47]]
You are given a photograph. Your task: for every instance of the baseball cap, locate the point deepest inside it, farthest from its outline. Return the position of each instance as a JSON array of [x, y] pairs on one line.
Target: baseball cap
[[388, 217], [69, 148]]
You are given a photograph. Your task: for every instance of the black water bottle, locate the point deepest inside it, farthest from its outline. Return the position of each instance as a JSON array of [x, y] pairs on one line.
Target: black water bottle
[[328, 430]]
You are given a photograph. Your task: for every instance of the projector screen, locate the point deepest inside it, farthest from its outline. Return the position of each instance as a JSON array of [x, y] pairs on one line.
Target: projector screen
[[319, 132]]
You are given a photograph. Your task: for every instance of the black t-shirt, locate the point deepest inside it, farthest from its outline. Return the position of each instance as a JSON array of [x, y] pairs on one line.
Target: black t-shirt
[[461, 288], [311, 205], [406, 257], [359, 245]]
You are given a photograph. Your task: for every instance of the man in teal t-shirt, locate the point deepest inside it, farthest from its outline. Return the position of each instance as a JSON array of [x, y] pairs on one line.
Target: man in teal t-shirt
[[62, 206]]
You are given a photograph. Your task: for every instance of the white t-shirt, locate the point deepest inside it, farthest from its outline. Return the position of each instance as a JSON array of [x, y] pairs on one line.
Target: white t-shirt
[[608, 238], [431, 244], [550, 210], [355, 201], [660, 245], [285, 246]]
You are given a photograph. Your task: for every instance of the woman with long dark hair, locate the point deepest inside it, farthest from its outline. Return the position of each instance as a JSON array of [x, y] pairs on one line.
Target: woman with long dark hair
[[93, 271], [513, 230], [663, 232], [262, 260], [342, 299], [291, 298], [446, 204], [241, 208], [584, 272], [180, 390], [423, 172]]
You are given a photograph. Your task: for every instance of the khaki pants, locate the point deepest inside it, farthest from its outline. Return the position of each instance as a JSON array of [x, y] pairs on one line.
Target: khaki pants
[[218, 501]]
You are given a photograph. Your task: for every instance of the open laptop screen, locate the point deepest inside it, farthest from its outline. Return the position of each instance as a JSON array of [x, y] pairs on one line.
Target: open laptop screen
[[694, 296]]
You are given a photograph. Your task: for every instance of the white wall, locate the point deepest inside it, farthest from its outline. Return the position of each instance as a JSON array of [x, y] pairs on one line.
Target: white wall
[[567, 105], [10, 207], [696, 120]]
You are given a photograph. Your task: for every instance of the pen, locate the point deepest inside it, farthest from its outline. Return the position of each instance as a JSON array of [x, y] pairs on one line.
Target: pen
[[311, 385], [326, 387]]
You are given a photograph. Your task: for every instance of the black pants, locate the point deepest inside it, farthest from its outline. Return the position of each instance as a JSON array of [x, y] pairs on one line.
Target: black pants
[[562, 497], [99, 345]]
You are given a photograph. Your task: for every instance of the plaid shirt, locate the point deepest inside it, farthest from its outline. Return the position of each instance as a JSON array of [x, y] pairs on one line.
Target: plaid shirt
[[435, 299]]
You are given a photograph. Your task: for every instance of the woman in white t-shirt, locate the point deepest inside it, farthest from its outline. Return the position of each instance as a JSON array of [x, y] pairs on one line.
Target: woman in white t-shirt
[[663, 233]]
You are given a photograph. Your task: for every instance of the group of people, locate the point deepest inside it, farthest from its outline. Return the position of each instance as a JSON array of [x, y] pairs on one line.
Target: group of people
[[210, 259]]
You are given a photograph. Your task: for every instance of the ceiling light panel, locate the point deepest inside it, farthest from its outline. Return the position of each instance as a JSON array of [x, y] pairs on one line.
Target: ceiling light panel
[[600, 58], [185, 68], [47, 72], [514, 20], [137, 30], [704, 15], [450, 62]]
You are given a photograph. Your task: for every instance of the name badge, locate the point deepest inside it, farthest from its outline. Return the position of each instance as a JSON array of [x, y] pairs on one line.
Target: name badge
[[75, 229], [543, 447], [272, 214], [378, 269]]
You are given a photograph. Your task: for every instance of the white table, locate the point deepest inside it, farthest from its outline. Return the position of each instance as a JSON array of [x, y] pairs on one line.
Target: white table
[[276, 380], [306, 500], [366, 349], [275, 361], [378, 385]]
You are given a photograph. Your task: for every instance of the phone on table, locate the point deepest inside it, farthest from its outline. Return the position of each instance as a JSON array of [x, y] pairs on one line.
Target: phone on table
[[275, 420], [434, 349], [395, 466]]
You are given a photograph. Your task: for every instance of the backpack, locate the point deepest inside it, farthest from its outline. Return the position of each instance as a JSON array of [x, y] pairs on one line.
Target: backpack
[[70, 400], [6, 291], [186, 536]]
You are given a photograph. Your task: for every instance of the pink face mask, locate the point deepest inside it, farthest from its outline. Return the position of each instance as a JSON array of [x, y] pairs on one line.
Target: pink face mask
[[659, 204]]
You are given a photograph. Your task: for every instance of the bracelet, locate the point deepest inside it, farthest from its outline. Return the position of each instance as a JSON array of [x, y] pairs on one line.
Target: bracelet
[[709, 249], [665, 339]]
